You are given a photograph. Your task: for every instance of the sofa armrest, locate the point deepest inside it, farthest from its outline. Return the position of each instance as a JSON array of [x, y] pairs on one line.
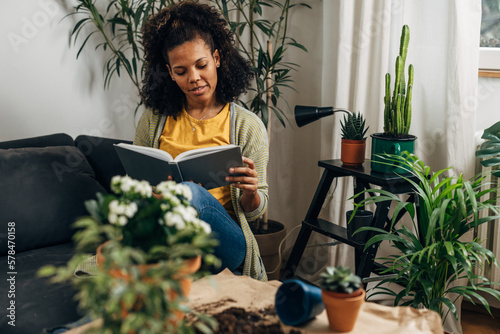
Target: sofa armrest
[[57, 139], [102, 156]]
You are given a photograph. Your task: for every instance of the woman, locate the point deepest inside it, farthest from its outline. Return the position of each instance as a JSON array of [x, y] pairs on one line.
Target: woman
[[193, 72]]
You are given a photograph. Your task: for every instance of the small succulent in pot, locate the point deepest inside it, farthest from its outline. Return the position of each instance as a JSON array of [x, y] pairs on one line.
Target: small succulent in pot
[[343, 296], [353, 148], [339, 280], [353, 126]]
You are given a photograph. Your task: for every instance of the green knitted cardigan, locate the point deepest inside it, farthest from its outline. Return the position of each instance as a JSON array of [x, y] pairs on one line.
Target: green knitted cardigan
[[248, 132]]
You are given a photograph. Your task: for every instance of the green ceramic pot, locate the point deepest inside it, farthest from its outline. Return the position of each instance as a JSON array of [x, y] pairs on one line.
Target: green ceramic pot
[[389, 145]]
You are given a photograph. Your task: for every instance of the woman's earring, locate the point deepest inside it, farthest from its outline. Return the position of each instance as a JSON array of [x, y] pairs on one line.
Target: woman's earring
[[173, 79], [218, 65]]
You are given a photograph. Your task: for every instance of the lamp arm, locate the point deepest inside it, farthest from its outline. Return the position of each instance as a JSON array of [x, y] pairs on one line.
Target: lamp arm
[[341, 110]]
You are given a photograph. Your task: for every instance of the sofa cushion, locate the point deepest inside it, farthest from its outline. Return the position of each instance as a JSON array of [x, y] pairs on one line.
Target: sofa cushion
[[42, 191], [38, 303]]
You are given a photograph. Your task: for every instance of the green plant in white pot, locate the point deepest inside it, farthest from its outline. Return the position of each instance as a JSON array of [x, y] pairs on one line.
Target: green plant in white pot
[[432, 260], [397, 112]]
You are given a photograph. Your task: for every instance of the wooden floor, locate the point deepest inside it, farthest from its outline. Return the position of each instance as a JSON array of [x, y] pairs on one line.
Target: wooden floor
[[476, 320]]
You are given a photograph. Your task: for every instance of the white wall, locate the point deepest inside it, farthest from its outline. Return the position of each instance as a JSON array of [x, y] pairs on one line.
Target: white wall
[[44, 88]]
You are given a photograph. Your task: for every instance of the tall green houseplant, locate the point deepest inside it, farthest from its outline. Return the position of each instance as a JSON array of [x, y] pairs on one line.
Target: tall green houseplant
[[432, 258], [264, 41]]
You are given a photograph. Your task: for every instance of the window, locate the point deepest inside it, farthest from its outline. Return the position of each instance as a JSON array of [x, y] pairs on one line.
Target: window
[[489, 55]]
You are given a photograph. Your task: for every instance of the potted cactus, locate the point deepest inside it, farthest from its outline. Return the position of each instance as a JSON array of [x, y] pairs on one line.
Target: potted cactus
[[343, 295], [397, 113], [353, 128]]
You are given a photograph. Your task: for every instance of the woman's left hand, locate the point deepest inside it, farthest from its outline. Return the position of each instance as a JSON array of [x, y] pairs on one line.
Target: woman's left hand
[[248, 184]]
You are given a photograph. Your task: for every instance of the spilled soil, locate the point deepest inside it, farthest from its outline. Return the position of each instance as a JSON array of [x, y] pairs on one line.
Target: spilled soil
[[240, 321]]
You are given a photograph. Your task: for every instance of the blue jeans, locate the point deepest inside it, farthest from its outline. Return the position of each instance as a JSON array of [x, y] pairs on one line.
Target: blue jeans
[[232, 246]]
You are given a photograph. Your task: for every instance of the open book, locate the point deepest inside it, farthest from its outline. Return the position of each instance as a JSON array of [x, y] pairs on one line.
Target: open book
[[208, 166]]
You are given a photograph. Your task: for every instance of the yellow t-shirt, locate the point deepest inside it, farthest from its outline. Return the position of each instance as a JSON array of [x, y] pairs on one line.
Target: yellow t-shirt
[[177, 137]]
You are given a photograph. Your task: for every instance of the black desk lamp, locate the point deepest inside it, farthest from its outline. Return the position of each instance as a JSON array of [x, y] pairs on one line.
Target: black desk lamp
[[305, 114]]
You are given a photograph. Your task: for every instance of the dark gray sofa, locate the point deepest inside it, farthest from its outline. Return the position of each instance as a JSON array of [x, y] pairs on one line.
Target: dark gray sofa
[[44, 182]]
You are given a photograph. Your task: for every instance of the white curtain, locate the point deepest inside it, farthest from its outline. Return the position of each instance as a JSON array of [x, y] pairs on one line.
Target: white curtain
[[352, 44]]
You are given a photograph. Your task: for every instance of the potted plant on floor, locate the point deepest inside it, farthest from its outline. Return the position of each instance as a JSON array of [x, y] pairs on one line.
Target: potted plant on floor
[[149, 248], [397, 113], [434, 258], [353, 128], [343, 295], [265, 40]]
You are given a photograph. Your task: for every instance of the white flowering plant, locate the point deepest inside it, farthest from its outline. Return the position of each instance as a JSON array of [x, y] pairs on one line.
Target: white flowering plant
[[163, 226], [136, 228]]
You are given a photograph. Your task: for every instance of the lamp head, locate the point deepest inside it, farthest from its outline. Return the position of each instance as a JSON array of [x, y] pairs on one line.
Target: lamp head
[[306, 114]]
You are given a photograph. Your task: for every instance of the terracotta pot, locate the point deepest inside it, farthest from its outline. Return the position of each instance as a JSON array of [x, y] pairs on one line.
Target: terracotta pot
[[190, 266], [342, 309], [353, 152], [269, 249]]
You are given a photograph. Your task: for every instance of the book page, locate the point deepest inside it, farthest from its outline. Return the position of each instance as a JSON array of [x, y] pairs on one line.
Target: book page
[[149, 151], [202, 151]]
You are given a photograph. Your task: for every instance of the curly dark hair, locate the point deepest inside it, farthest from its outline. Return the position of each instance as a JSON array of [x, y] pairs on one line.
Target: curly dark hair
[[183, 22]]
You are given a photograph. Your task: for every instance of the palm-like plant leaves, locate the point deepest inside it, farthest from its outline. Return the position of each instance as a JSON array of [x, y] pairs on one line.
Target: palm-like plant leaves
[[490, 149], [431, 258]]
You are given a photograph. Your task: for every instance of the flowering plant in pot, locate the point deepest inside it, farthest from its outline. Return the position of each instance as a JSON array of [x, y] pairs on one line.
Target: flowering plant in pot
[[397, 112], [353, 128], [343, 295], [149, 249]]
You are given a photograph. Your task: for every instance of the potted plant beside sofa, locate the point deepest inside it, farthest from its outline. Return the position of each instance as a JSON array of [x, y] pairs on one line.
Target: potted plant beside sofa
[[397, 113], [353, 128], [343, 295], [434, 258]]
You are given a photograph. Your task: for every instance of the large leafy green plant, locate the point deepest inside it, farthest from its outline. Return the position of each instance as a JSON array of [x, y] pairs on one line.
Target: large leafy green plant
[[434, 256], [264, 41], [490, 149]]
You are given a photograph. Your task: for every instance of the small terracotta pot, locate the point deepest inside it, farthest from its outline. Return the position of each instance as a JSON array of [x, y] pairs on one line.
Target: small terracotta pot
[[352, 152], [190, 266], [342, 309]]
